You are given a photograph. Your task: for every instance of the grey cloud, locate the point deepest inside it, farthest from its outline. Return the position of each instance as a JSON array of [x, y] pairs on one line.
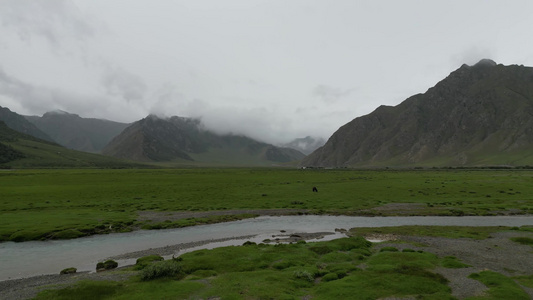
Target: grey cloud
[[36, 99], [119, 82], [472, 55], [330, 94], [167, 100], [31, 97], [260, 123], [54, 20]]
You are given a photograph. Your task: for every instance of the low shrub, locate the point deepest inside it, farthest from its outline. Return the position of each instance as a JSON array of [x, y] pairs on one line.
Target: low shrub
[[166, 268], [142, 262], [107, 265], [68, 271], [110, 264], [304, 275]]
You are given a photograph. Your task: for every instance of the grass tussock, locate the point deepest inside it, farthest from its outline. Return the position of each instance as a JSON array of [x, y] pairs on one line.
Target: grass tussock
[[500, 286]]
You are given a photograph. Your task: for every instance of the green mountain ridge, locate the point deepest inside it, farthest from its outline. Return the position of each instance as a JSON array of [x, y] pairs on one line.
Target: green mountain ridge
[[75, 132], [19, 150], [479, 115], [20, 124]]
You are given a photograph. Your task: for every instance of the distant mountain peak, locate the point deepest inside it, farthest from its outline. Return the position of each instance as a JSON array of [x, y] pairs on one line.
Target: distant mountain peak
[[59, 112], [305, 145], [485, 63]]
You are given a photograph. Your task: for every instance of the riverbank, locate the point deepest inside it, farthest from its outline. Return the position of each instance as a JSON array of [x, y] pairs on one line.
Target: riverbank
[[27, 288], [497, 253]]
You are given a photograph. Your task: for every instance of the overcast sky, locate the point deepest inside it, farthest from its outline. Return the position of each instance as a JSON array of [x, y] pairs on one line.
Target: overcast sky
[[274, 70]]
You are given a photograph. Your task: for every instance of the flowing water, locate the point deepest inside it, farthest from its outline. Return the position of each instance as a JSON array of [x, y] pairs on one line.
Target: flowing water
[[18, 260]]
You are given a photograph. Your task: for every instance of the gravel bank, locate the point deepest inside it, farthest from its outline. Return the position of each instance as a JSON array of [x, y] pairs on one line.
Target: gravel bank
[[497, 253], [171, 249]]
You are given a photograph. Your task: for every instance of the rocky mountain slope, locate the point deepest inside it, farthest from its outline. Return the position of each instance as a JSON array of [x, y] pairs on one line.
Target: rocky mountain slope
[[154, 139], [75, 132], [479, 115], [20, 124]]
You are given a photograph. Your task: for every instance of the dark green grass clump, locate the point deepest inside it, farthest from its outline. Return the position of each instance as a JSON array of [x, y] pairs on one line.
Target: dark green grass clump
[[68, 271], [451, 262], [161, 269], [144, 261], [523, 240], [106, 265], [500, 286]]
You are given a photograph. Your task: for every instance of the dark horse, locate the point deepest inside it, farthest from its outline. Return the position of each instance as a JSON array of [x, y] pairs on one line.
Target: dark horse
[[315, 189]]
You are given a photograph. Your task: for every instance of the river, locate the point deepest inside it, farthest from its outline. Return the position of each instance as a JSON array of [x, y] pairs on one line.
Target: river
[[18, 260]]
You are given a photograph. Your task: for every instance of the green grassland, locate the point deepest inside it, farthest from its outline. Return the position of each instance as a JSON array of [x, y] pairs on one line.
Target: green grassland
[[38, 154], [348, 268], [341, 269], [66, 203]]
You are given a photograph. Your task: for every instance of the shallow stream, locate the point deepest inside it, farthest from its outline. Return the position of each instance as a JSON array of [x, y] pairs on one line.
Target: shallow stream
[[18, 260]]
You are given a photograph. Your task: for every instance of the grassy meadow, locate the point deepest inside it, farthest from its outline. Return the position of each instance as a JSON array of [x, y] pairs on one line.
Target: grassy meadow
[[340, 269], [348, 268], [68, 203]]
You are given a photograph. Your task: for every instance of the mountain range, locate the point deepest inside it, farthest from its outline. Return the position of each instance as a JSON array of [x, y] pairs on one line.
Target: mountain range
[[20, 150], [480, 115], [75, 132], [155, 139], [20, 124], [150, 140]]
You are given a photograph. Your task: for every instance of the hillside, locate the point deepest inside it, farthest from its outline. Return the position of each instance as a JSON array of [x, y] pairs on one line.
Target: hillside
[[477, 116], [75, 132], [177, 139], [20, 124], [19, 150]]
